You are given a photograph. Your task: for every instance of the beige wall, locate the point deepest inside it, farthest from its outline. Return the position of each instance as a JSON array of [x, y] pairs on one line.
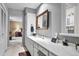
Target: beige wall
[[15, 26]]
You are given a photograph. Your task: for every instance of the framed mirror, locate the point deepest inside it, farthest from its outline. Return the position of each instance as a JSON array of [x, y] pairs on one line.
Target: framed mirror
[[42, 21]]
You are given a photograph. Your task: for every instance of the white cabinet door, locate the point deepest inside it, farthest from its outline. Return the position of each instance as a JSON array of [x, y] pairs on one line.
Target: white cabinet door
[[35, 51], [43, 50], [31, 49], [29, 45]]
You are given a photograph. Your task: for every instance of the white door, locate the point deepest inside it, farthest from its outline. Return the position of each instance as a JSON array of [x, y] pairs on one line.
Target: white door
[[1, 32], [0, 26], [4, 38], [3, 43]]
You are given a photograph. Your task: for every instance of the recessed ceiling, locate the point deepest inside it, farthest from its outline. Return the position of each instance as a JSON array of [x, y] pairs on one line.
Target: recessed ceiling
[[21, 6]]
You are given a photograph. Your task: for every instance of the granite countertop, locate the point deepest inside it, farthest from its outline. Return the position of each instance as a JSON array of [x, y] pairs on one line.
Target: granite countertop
[[56, 48]]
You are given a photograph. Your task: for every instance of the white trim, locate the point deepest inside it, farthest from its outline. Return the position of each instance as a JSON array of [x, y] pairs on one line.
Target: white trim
[[2, 6]]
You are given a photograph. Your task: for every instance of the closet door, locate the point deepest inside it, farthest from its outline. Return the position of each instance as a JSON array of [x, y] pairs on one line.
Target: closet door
[[2, 23], [3, 27], [4, 30], [0, 26], [1, 32]]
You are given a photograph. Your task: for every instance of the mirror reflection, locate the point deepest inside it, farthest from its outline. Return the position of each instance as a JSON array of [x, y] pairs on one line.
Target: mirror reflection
[[70, 17], [42, 20]]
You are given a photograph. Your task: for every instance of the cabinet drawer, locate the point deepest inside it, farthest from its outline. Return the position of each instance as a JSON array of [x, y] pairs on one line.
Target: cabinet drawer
[[35, 45], [43, 50], [52, 54], [35, 51]]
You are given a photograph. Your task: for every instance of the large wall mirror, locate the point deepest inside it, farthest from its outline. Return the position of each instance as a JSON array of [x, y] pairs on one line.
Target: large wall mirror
[[42, 21], [70, 18]]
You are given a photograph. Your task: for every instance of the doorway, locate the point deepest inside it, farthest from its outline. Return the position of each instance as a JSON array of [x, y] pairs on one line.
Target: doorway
[[15, 29]]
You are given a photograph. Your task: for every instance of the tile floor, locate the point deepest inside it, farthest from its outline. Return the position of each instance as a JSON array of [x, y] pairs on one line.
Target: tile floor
[[15, 46]]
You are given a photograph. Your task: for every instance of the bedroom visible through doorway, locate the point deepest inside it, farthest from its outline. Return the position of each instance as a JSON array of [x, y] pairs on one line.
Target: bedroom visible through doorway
[[15, 29]]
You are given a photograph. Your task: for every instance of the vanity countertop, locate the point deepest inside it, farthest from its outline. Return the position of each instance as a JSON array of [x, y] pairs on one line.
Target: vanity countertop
[[56, 48], [69, 35]]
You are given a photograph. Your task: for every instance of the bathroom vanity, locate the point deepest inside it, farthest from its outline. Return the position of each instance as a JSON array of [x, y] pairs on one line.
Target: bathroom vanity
[[44, 47], [48, 23]]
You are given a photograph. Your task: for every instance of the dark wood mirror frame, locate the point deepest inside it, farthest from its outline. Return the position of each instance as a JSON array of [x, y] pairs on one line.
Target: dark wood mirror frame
[[47, 18]]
